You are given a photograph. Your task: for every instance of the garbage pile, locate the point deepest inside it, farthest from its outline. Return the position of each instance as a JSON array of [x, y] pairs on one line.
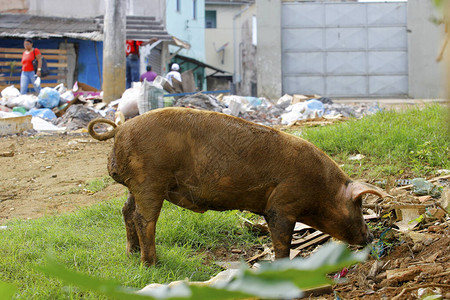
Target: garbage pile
[[62, 109], [286, 111]]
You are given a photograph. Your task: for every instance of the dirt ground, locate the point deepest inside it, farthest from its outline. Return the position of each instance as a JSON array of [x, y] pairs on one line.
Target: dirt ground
[[45, 169], [38, 179]]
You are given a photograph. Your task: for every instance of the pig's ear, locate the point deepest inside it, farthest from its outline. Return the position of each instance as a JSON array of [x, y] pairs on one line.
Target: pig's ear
[[358, 189]]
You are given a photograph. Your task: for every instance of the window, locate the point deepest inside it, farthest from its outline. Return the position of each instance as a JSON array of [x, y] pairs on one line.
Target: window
[[210, 19], [194, 9], [178, 5]]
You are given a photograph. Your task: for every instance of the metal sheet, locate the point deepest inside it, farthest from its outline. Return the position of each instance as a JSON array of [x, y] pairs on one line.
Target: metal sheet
[[342, 49]]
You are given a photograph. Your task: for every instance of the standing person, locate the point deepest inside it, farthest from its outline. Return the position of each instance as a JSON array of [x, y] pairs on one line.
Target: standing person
[[132, 63], [149, 75], [174, 73], [28, 76]]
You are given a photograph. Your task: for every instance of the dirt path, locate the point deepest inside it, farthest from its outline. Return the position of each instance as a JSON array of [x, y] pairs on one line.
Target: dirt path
[[45, 170]]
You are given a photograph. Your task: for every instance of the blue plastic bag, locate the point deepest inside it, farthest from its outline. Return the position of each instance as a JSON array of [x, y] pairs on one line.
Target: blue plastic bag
[[43, 113], [48, 98]]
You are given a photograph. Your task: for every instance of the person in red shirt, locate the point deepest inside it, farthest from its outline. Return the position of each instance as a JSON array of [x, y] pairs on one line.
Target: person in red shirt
[[28, 76], [132, 63]]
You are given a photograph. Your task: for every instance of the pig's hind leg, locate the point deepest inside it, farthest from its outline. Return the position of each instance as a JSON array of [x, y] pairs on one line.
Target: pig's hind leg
[[128, 214], [148, 207]]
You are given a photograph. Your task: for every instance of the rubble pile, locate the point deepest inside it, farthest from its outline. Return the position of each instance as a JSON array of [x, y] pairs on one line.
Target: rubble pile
[[73, 109], [411, 251]]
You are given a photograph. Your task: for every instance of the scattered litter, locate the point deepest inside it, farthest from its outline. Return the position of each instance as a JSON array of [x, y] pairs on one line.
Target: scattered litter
[[356, 157], [421, 187], [43, 113], [48, 98], [40, 124], [76, 117]]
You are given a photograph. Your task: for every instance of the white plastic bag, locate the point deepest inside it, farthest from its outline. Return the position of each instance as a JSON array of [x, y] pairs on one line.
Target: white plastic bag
[[128, 104], [8, 93], [28, 101]]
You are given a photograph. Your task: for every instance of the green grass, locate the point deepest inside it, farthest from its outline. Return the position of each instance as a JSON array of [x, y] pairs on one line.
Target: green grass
[[414, 142], [93, 241]]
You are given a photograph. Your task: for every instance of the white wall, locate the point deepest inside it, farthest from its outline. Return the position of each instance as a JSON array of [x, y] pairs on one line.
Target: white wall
[[426, 76], [93, 8], [223, 33]]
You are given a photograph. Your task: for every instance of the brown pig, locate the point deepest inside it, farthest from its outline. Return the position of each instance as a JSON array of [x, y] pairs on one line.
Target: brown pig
[[203, 160]]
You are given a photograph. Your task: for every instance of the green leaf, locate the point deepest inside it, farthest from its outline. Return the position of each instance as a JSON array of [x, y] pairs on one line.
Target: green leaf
[[102, 286], [7, 290], [311, 272], [281, 279]]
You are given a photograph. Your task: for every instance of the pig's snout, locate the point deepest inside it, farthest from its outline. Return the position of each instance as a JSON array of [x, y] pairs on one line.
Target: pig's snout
[[369, 237]]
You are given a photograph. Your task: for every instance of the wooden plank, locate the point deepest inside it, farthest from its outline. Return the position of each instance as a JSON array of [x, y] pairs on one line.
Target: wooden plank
[[43, 51], [51, 84], [19, 64], [47, 56], [17, 78], [307, 238], [17, 71], [296, 251], [406, 187]]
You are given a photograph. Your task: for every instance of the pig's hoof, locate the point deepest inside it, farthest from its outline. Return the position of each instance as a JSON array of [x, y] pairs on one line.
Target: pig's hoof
[[148, 261], [133, 249]]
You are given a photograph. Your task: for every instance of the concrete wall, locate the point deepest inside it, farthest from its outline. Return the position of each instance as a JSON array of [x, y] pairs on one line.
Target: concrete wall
[[182, 25], [67, 8], [247, 72], [426, 76], [93, 8], [223, 33], [269, 48], [13, 6]]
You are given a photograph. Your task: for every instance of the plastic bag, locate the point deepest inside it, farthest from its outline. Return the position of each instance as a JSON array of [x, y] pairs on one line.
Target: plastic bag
[[28, 101], [48, 98], [150, 97], [128, 105], [10, 92], [43, 113]]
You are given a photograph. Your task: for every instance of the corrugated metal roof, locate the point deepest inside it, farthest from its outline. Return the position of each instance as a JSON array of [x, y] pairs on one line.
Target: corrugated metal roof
[[229, 2], [32, 26], [143, 28]]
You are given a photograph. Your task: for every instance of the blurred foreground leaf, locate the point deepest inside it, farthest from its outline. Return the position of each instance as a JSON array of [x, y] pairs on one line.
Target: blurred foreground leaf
[[280, 279], [7, 290]]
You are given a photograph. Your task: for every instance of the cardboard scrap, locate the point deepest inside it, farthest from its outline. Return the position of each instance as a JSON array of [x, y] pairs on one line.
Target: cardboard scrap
[[15, 125]]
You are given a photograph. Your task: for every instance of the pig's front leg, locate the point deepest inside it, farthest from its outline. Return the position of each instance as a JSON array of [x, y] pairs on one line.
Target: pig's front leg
[[128, 213], [281, 221], [148, 207]]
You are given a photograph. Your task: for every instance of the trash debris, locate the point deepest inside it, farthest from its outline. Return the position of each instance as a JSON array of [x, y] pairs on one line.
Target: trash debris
[[423, 187], [150, 96], [200, 101], [11, 124], [48, 98], [76, 117], [356, 157], [43, 113], [128, 104]]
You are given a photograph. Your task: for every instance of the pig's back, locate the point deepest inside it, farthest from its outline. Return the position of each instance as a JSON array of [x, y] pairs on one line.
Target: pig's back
[[222, 162]]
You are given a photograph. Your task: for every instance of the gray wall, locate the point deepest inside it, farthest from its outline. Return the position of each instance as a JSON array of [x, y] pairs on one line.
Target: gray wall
[[426, 76], [93, 8], [269, 48]]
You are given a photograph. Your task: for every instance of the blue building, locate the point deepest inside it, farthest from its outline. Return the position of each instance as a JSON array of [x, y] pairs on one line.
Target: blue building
[[186, 20]]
